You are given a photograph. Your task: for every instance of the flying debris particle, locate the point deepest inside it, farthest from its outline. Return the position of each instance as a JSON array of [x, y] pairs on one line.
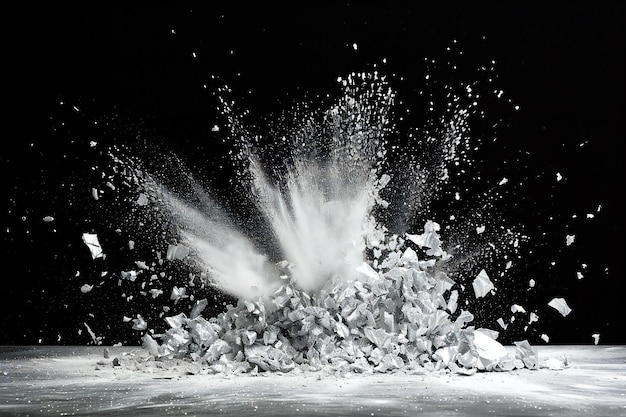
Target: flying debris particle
[[480, 229], [86, 288], [502, 324], [569, 239], [559, 177], [176, 252], [92, 143], [579, 275], [545, 337], [560, 305], [516, 308], [482, 284], [142, 200], [531, 283], [96, 339], [533, 318], [94, 193], [154, 292], [178, 294], [131, 244], [355, 46], [596, 338], [590, 215], [503, 181], [91, 240], [139, 323], [215, 128], [48, 219]]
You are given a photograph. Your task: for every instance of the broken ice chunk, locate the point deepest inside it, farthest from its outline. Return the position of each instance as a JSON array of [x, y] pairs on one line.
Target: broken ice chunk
[[368, 271], [560, 305], [379, 337], [155, 292], [482, 284], [516, 308], [86, 288], [503, 181], [527, 354], [579, 275], [198, 308], [91, 240], [429, 239], [596, 338], [176, 252], [500, 321], [139, 323], [142, 200], [480, 229], [488, 350], [178, 294], [545, 337], [48, 219], [569, 239]]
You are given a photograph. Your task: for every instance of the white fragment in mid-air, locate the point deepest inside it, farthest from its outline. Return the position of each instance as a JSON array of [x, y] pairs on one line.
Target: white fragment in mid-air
[[482, 284], [503, 181], [48, 219], [569, 239], [86, 288], [91, 240], [480, 229], [516, 308], [545, 337], [596, 338], [559, 177], [560, 305]]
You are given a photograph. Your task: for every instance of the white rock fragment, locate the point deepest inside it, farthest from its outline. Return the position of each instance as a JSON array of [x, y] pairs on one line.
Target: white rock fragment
[[97, 340], [516, 308], [596, 338], [91, 240], [367, 271], [559, 177], [480, 229], [48, 219], [503, 181], [545, 337], [178, 294], [482, 284], [86, 288], [142, 200], [502, 324], [155, 292], [531, 283], [94, 193], [569, 239], [139, 323], [560, 305], [527, 354], [579, 275]]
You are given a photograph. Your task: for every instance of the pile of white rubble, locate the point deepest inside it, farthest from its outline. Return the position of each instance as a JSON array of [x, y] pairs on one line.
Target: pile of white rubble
[[400, 316]]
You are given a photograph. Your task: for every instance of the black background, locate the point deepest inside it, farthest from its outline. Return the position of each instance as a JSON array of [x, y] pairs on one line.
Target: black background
[[134, 66]]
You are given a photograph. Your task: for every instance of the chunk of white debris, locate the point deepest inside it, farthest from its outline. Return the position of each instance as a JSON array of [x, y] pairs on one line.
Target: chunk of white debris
[[480, 229], [155, 292], [429, 239], [502, 324], [48, 219], [596, 338], [569, 239], [177, 252], [139, 323], [559, 177], [516, 308], [579, 275], [94, 193], [545, 337], [368, 271], [142, 200], [554, 364], [178, 294], [489, 351], [560, 305], [86, 288], [503, 181], [91, 240], [482, 284], [527, 354], [531, 283]]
